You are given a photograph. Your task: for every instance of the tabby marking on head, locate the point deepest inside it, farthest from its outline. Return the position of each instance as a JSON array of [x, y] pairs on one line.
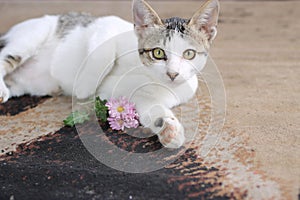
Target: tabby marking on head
[[176, 24]]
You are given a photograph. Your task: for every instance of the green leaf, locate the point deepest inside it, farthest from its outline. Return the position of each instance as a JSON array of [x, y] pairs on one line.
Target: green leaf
[[101, 109], [76, 117]]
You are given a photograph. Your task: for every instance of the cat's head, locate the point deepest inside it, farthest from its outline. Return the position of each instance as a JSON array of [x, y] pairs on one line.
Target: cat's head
[[175, 49]]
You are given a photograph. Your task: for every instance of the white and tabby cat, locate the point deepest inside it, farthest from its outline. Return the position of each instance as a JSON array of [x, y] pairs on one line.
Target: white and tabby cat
[[42, 56]]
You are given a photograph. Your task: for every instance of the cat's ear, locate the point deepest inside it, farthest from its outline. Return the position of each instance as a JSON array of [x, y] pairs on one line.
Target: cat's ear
[[144, 16], [206, 19]]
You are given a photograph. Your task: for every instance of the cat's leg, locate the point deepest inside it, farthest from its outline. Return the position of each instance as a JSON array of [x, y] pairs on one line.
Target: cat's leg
[[21, 43], [162, 121], [7, 65], [96, 67]]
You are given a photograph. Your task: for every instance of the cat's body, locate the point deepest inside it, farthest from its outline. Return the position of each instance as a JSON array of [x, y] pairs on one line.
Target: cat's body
[[76, 54], [54, 57]]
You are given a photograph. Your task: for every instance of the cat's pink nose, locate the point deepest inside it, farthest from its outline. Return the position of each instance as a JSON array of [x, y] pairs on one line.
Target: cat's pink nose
[[172, 75]]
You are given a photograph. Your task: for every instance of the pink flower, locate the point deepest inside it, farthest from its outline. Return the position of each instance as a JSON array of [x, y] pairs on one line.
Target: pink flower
[[116, 123], [121, 124], [122, 114], [120, 107]]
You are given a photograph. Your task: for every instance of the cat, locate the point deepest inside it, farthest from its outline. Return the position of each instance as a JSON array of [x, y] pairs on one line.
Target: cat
[[42, 56]]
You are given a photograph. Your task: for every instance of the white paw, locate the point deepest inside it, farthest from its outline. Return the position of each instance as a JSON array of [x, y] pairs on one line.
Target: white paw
[[4, 94], [172, 132]]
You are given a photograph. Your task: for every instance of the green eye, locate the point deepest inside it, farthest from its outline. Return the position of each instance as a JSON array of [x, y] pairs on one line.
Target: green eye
[[189, 54], [158, 54]]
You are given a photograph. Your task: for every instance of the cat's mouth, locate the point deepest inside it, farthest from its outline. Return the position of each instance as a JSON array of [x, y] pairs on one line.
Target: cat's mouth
[[177, 81]]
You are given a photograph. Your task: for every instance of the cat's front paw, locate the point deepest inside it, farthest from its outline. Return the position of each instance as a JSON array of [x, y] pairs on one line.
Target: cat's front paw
[[172, 132], [4, 93]]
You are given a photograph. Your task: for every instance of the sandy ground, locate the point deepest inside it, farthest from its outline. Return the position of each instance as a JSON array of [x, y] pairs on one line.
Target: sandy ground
[[257, 52]]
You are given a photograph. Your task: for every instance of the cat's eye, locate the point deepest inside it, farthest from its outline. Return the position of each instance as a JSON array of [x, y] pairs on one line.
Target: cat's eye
[[189, 54], [158, 53]]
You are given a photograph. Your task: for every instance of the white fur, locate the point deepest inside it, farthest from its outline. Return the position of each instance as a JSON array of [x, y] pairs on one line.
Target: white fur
[[101, 59], [53, 65]]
